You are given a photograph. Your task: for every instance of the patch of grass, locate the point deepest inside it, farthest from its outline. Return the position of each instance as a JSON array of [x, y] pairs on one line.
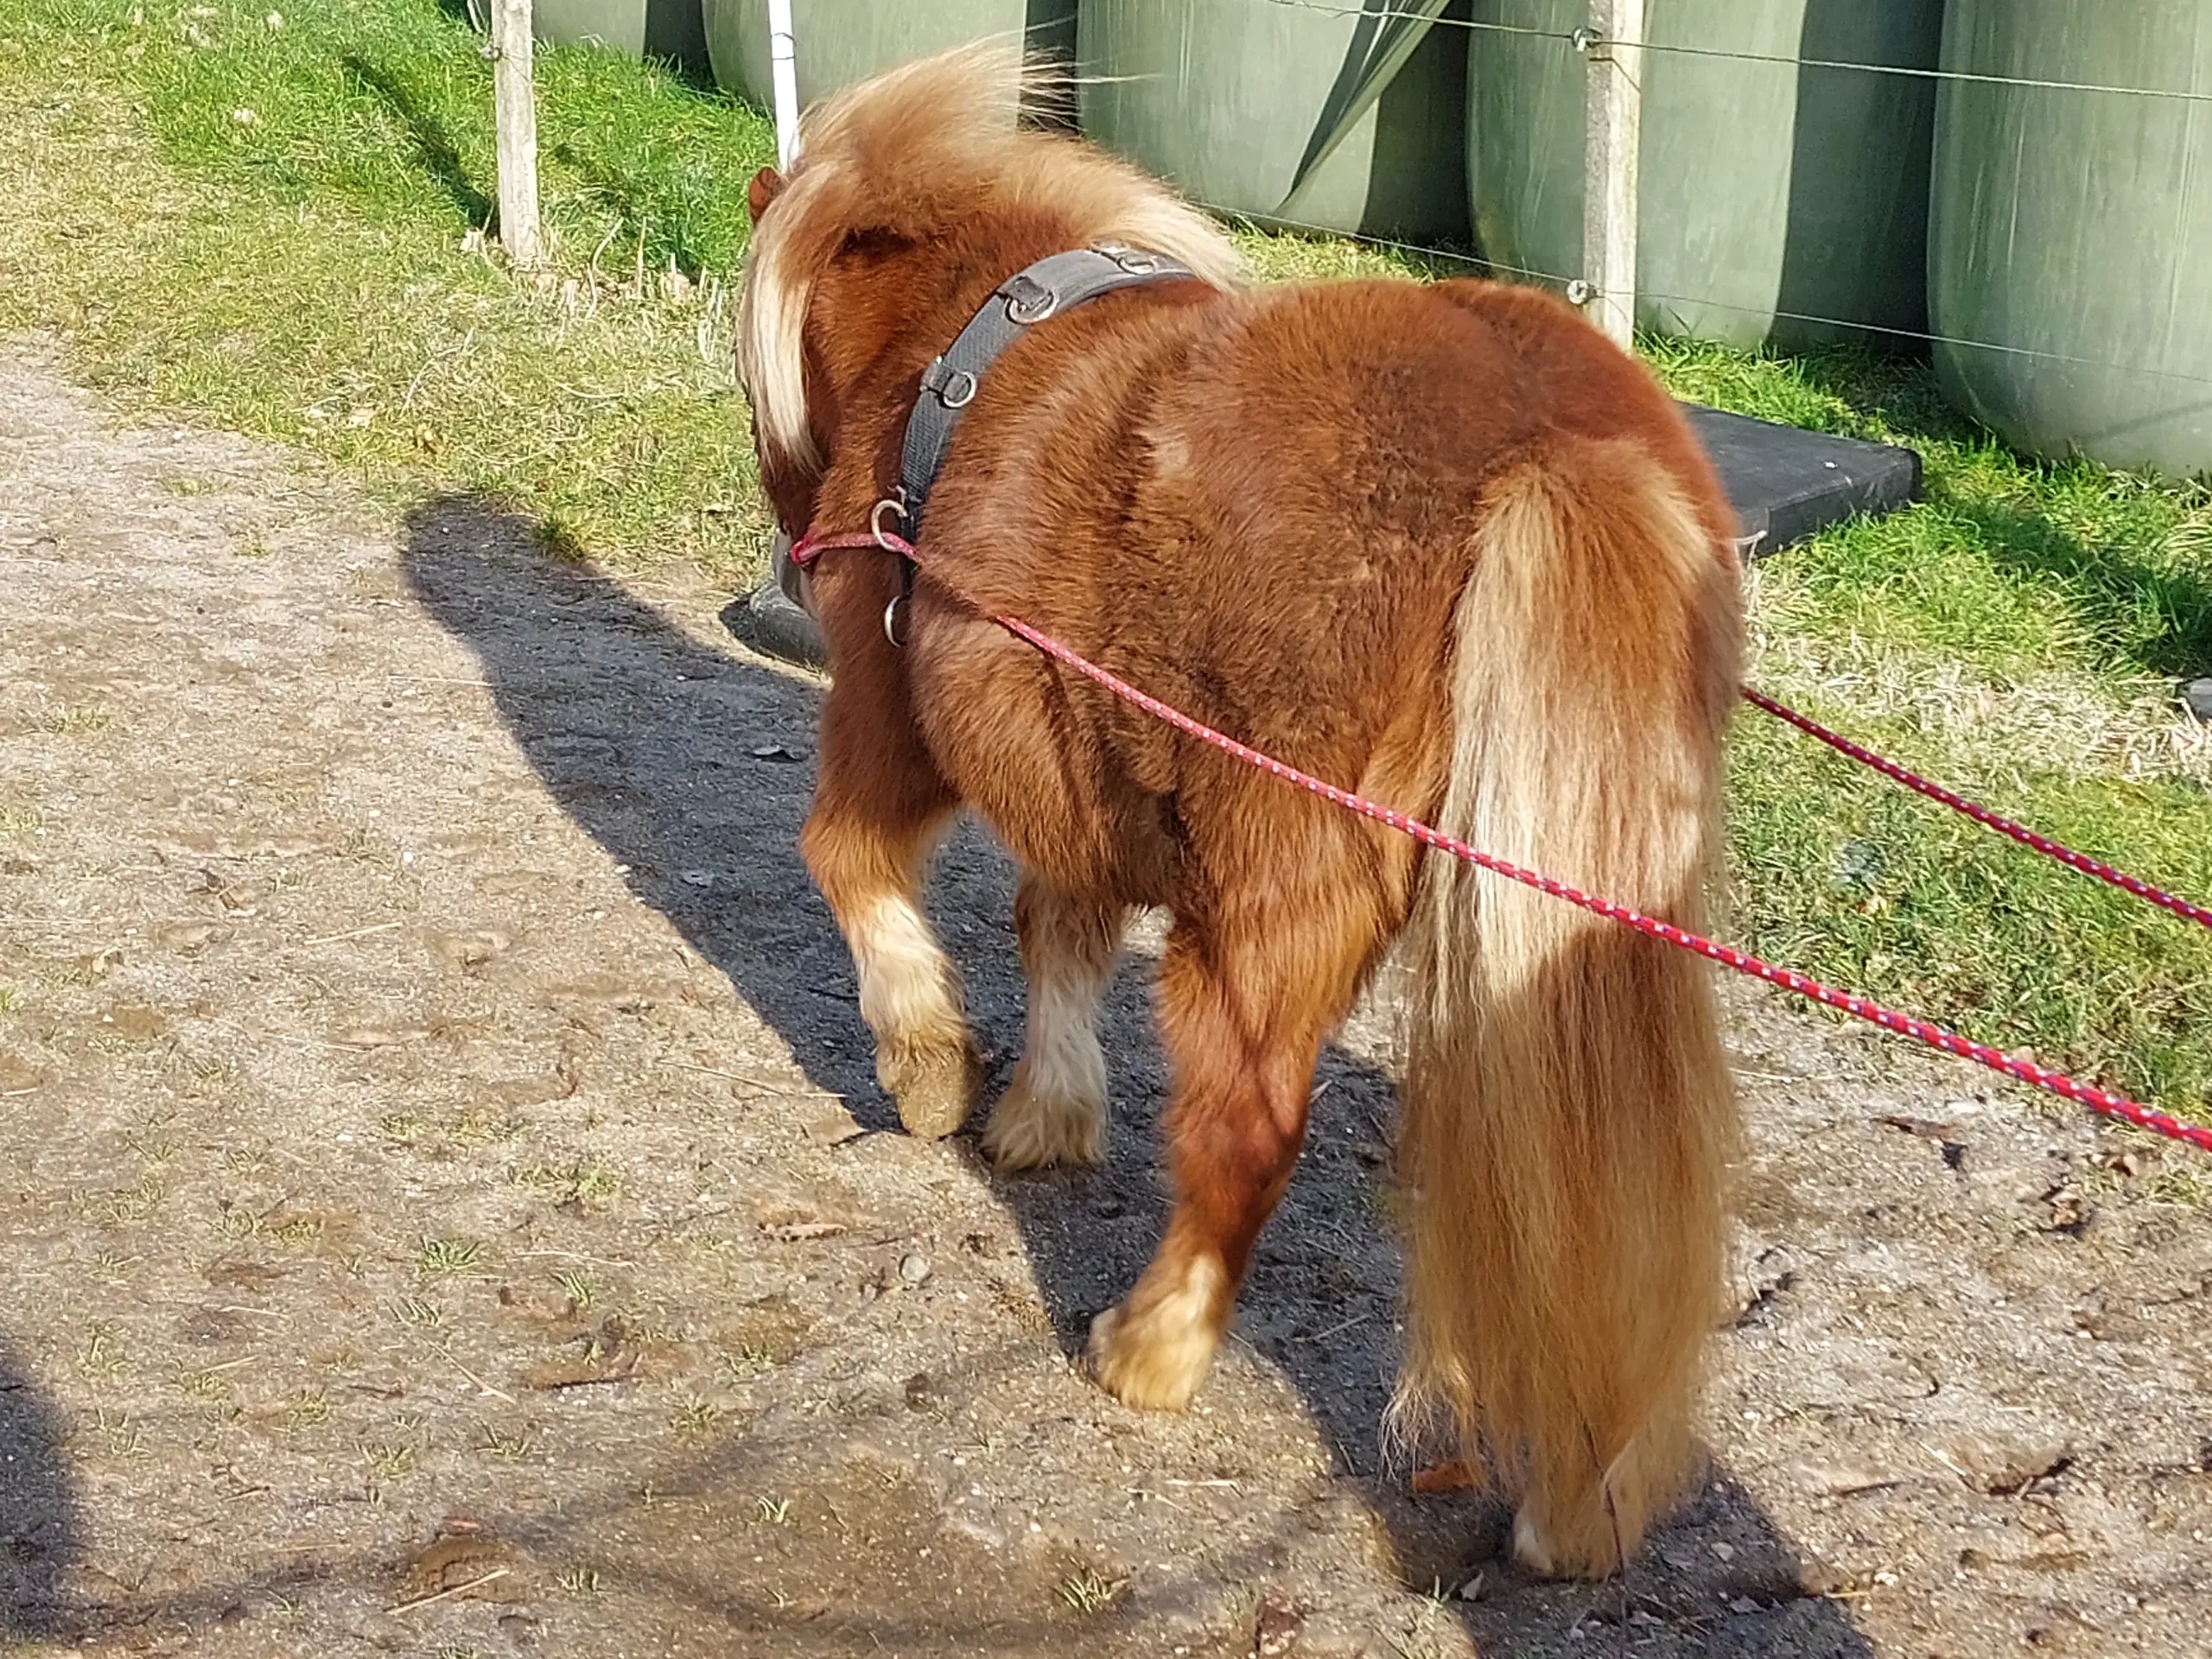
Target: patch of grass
[[695, 1416], [302, 213], [435, 1257], [418, 1311], [387, 1460], [577, 1285], [775, 1511], [581, 1581], [102, 1354], [1089, 1592], [2018, 636]]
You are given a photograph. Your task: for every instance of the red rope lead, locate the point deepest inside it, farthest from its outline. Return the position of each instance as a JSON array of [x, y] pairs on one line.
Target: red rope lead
[[1935, 1036], [2003, 826]]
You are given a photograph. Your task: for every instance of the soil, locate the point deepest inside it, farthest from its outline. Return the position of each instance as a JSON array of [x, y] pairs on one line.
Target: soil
[[448, 1209]]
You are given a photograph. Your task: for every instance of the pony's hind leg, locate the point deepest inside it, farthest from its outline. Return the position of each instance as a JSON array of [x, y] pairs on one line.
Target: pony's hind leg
[[1241, 1019], [1054, 1111], [877, 810]]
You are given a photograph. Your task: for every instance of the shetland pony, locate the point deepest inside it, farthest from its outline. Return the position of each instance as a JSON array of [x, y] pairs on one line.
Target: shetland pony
[[1444, 545]]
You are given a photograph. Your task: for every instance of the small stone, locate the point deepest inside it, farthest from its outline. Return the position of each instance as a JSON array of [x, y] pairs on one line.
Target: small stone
[[1744, 1604], [1473, 1588], [913, 1268], [1725, 1552], [2197, 693]]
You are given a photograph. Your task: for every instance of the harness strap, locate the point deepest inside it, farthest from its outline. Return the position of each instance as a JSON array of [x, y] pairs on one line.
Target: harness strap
[[949, 384]]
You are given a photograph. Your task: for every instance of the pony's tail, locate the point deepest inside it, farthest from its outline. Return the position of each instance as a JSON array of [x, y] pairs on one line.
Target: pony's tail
[[1568, 1111]]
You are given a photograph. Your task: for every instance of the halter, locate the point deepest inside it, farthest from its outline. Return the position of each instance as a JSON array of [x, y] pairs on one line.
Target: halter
[[1034, 295]]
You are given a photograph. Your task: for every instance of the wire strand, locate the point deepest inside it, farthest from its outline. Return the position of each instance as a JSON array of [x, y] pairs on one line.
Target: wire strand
[[1476, 261], [1680, 50]]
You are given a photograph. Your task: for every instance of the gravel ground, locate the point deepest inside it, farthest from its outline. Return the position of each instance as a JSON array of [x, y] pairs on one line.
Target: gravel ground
[[448, 1209]]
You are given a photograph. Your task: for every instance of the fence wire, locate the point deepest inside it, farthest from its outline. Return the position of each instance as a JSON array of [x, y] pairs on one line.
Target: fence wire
[[1477, 263], [1574, 37]]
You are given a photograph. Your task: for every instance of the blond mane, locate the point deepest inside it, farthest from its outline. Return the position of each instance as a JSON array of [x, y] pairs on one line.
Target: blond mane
[[916, 149]]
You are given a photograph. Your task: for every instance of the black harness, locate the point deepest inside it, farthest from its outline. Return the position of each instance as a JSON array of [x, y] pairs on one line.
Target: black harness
[[1040, 291]]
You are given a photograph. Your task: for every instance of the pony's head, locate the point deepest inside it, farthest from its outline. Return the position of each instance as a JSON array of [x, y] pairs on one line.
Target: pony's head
[[894, 175]]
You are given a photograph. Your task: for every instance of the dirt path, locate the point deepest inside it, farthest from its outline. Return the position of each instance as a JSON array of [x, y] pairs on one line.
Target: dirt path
[[430, 1224]]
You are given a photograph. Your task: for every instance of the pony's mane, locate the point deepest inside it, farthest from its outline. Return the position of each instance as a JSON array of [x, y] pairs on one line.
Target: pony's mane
[[915, 149]]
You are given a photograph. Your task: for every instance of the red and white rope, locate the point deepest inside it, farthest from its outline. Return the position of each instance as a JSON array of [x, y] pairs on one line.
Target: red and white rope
[[2098, 1100]]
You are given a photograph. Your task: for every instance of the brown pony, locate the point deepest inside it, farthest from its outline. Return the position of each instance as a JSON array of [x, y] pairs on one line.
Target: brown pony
[[1444, 545]]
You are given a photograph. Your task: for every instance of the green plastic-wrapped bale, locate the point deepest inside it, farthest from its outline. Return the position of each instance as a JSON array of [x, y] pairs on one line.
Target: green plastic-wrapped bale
[[672, 29], [836, 42], [2072, 230], [1777, 196], [1338, 116]]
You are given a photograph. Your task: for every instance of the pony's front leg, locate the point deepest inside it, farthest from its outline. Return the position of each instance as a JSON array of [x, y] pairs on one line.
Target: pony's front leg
[[878, 807], [1243, 1026], [1054, 1111]]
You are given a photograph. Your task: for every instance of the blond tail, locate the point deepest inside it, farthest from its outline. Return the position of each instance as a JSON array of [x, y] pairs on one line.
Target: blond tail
[[1567, 1107]]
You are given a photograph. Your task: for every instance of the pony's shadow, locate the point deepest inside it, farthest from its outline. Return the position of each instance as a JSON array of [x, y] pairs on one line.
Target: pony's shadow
[[39, 1526], [686, 762]]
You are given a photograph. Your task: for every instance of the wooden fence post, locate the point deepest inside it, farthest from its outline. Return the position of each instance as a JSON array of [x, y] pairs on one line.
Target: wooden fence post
[[1612, 46], [516, 112]]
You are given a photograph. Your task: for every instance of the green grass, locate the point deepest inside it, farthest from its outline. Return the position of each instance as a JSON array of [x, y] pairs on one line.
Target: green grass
[[279, 230]]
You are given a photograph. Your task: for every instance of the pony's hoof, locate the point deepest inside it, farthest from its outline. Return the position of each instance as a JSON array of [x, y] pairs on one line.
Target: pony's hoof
[[1530, 1548], [1029, 1131], [936, 1087], [1153, 1353]]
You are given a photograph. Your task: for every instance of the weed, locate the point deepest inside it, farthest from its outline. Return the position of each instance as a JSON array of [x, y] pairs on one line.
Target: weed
[[74, 721], [775, 1511], [387, 1460], [581, 1581], [416, 1311], [308, 1408], [695, 1416], [102, 1355], [507, 1446], [577, 1285], [1089, 1592], [436, 1256]]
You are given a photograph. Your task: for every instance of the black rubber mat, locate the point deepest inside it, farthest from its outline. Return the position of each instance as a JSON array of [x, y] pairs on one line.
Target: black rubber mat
[[1786, 483]]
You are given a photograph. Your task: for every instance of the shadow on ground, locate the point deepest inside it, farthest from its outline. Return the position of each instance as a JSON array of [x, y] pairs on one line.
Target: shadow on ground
[[38, 1507], [704, 817]]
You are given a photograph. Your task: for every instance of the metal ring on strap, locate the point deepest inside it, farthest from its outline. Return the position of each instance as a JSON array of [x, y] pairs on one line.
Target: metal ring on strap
[[889, 504]]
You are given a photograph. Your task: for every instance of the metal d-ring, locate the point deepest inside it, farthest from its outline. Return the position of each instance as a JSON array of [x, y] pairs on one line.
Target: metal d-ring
[[958, 389], [889, 504], [894, 614]]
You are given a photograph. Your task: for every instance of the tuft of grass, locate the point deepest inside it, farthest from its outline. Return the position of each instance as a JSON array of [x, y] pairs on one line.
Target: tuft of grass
[[1089, 1592], [435, 1257]]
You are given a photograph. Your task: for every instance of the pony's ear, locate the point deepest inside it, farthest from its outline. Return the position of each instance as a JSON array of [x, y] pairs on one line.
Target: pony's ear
[[768, 184]]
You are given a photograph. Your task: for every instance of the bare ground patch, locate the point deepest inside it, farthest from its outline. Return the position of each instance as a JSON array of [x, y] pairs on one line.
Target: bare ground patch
[[448, 1209]]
